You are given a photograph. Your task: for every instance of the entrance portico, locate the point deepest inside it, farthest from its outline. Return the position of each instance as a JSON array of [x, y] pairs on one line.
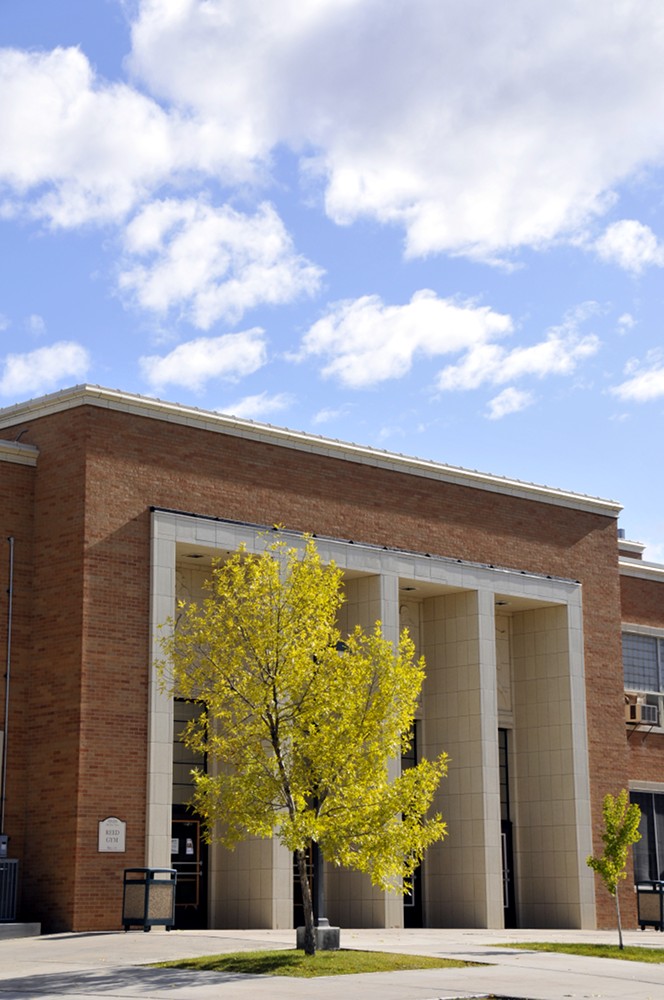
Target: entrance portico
[[504, 650]]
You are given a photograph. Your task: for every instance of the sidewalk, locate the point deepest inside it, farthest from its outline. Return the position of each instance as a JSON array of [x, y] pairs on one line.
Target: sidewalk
[[115, 966]]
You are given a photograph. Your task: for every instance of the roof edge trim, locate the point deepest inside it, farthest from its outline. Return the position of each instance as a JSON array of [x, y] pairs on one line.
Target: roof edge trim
[[20, 454], [82, 395], [642, 570]]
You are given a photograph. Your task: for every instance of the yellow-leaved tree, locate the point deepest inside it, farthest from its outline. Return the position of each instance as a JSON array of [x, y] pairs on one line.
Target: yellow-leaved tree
[[304, 735], [621, 829]]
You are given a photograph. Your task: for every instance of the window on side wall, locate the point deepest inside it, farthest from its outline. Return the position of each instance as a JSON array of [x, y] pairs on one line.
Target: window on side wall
[[649, 851], [643, 666]]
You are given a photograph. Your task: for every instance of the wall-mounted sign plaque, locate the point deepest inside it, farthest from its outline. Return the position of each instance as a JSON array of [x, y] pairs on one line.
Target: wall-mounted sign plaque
[[112, 833]]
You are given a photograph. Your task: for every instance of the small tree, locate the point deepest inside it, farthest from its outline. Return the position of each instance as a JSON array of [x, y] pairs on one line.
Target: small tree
[[621, 828], [303, 735]]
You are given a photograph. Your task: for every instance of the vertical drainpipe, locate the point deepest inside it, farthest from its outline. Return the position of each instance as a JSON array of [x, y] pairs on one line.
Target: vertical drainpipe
[[10, 603]]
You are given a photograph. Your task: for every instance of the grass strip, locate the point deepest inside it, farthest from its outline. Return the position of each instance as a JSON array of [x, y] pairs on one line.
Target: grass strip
[[291, 962], [630, 953]]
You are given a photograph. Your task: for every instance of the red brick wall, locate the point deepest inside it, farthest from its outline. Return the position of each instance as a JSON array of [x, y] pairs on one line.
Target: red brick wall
[[642, 601], [49, 792], [643, 604], [98, 559], [16, 522]]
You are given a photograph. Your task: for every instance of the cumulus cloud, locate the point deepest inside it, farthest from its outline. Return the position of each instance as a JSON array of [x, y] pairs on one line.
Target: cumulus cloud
[[425, 123], [86, 150], [261, 405], [559, 353], [508, 401], [43, 369], [35, 324], [646, 379], [626, 322], [212, 263], [630, 245], [364, 341], [196, 362], [329, 413]]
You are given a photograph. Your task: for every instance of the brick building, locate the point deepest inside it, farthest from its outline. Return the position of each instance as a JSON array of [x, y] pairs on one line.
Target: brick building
[[112, 505]]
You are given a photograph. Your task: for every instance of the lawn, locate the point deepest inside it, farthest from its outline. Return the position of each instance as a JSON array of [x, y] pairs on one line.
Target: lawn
[[292, 962], [630, 953]]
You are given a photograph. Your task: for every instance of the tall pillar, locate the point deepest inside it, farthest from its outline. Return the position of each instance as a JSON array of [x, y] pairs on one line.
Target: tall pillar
[[352, 901], [463, 874], [160, 709], [553, 836]]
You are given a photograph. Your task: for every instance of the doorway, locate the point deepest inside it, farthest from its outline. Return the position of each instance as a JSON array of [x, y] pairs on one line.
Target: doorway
[[412, 900], [506, 838], [189, 852], [189, 858], [298, 905]]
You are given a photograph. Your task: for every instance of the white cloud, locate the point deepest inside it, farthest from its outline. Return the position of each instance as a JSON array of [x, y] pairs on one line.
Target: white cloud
[[328, 413], [43, 369], [508, 401], [35, 324], [212, 263], [645, 382], [366, 341], [413, 114], [85, 150], [260, 405], [408, 114], [630, 245], [195, 363], [558, 354], [626, 322]]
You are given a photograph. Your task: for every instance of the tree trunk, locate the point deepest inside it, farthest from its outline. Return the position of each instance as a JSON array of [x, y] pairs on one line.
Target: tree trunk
[[620, 937], [307, 904]]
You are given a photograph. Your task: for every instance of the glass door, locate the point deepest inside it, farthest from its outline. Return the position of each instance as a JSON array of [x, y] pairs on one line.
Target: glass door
[[189, 852]]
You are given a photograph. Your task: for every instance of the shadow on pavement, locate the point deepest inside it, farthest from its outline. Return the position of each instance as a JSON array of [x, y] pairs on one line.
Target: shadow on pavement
[[94, 981]]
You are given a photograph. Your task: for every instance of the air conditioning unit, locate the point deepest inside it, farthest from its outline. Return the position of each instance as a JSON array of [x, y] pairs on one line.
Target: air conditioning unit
[[640, 713]]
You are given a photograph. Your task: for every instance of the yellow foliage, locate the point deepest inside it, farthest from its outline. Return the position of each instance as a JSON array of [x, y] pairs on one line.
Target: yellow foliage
[[303, 735]]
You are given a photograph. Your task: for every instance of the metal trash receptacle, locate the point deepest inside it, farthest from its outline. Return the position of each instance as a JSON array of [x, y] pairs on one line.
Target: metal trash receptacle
[[650, 904], [148, 898], [8, 889]]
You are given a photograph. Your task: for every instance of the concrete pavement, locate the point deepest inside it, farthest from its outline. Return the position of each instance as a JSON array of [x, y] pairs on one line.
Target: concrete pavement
[[115, 966]]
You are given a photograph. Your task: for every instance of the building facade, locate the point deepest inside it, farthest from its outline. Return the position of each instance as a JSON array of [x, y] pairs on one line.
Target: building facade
[[522, 599]]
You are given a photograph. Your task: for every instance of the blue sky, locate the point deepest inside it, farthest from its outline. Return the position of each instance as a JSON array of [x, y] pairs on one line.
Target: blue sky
[[430, 226]]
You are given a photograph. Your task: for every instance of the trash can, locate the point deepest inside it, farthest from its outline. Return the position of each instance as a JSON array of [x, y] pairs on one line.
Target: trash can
[[650, 900], [8, 885], [148, 898]]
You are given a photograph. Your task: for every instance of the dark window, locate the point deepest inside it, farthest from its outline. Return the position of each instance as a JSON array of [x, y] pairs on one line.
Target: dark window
[[649, 851], [643, 662], [504, 775]]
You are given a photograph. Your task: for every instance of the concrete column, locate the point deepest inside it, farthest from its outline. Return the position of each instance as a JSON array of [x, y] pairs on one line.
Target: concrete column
[[553, 825], [351, 899], [463, 880]]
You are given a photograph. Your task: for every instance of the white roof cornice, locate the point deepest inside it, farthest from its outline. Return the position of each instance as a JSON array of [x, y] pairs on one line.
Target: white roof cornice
[[20, 454], [630, 550], [88, 395], [642, 570]]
